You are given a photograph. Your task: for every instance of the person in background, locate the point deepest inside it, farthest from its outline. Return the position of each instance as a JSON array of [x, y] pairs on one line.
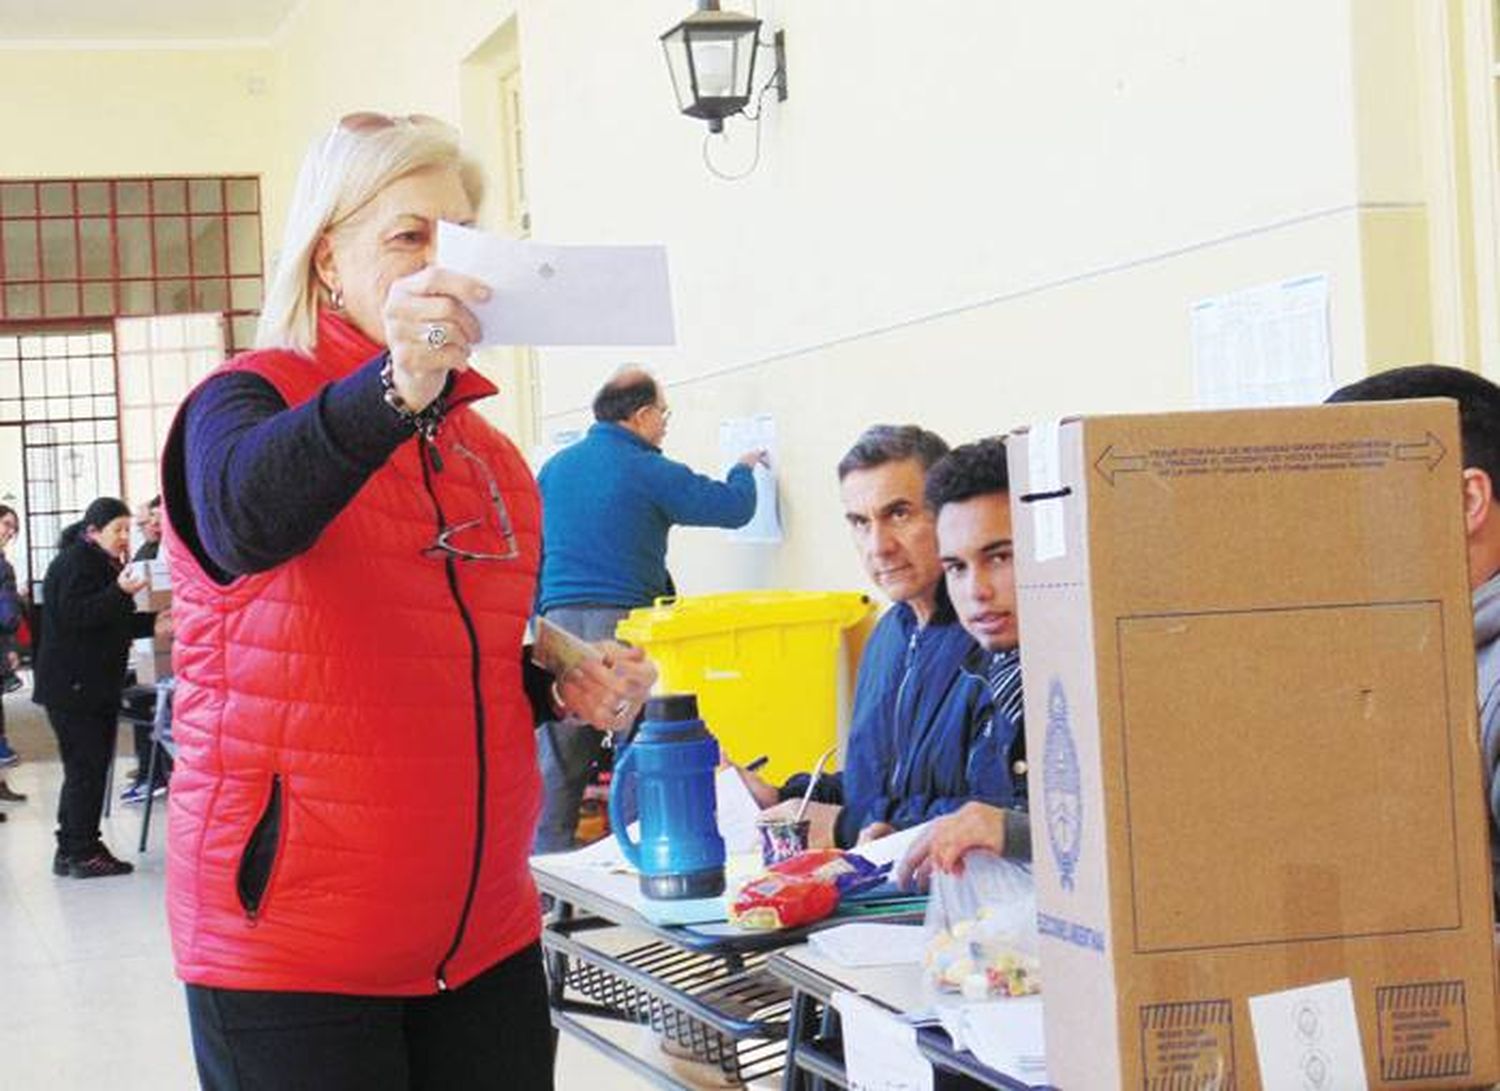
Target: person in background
[[148, 522], [90, 619], [922, 738], [609, 503], [969, 489], [141, 700], [1479, 424], [354, 551], [12, 611]]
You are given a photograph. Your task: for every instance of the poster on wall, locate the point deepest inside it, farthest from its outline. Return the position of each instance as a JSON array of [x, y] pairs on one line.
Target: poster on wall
[[1265, 345], [736, 436]]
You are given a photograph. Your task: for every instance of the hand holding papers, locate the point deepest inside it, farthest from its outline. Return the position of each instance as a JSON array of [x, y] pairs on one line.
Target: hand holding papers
[[603, 684], [562, 295], [558, 651]]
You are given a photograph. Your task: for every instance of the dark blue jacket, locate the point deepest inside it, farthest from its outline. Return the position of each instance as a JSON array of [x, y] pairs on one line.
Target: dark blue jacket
[[924, 737], [608, 502]]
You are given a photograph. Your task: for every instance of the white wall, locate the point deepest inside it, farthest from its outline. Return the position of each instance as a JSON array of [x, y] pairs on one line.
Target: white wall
[[103, 112], [968, 215]]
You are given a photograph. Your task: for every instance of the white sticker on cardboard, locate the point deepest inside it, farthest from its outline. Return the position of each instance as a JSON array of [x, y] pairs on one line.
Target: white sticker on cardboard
[[880, 1051], [1044, 475], [1309, 1038]]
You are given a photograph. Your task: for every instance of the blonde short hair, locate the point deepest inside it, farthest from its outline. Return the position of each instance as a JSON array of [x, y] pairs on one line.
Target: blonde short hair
[[342, 173]]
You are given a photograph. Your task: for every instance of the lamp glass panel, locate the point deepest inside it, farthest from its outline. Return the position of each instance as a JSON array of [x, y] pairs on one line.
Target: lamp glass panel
[[677, 66], [713, 63], [722, 61]]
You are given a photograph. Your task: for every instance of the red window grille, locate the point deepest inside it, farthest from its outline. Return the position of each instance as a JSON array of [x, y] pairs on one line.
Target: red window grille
[[79, 249]]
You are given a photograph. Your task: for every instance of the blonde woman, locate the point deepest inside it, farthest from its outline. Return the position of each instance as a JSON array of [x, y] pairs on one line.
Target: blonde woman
[[354, 552]]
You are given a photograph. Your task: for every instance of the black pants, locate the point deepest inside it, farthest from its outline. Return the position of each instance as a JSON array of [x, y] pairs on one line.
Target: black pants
[[494, 1034], [85, 740]]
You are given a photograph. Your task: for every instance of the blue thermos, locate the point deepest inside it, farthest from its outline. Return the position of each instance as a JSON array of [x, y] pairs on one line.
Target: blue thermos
[[673, 758]]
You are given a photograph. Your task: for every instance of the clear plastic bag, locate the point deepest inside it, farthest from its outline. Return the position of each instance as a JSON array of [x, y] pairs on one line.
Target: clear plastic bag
[[981, 929]]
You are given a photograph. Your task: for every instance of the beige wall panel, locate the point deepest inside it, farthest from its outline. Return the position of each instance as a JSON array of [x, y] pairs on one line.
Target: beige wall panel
[[967, 217], [926, 164], [1118, 342], [1389, 78], [1397, 296], [106, 112]]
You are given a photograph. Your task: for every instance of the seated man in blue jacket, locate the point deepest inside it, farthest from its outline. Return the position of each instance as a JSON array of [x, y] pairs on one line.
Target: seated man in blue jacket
[[923, 739], [969, 489]]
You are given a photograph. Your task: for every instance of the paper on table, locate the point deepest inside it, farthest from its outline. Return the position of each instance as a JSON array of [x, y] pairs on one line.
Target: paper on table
[[890, 849], [562, 295], [880, 1051], [1004, 1034], [1309, 1037], [863, 944]]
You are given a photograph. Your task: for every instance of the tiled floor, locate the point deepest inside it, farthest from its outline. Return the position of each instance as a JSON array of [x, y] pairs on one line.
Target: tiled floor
[[87, 996]]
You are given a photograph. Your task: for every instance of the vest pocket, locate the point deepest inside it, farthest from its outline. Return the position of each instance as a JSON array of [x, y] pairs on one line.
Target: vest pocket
[[259, 856]]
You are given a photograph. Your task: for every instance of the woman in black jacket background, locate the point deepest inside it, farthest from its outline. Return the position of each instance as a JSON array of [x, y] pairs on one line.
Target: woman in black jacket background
[[12, 610], [89, 619]]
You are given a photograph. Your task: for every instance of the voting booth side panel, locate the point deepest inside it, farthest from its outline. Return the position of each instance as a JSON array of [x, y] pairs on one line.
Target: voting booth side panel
[[1285, 747], [1069, 855]]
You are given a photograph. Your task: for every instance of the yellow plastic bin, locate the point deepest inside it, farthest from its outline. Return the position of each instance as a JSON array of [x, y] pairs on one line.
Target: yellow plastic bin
[[768, 667]]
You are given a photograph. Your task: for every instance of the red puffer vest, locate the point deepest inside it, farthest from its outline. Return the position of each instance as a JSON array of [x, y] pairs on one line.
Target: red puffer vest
[[356, 784]]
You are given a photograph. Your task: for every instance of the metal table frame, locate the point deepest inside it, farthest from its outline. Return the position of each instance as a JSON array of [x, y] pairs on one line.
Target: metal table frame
[[706, 988]]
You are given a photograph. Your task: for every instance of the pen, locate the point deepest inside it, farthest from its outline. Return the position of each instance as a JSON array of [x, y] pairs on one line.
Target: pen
[[757, 763]]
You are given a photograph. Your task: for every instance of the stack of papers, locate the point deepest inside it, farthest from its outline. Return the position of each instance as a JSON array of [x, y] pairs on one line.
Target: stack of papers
[[868, 944], [1005, 1034]]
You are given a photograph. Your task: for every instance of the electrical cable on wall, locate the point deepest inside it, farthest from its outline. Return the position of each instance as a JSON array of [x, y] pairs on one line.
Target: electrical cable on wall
[[755, 155]]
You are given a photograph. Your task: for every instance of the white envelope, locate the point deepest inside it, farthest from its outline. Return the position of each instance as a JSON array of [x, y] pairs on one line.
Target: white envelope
[[563, 295]]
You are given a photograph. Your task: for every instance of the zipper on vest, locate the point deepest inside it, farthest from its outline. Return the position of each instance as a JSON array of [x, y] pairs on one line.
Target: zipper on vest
[[432, 462]]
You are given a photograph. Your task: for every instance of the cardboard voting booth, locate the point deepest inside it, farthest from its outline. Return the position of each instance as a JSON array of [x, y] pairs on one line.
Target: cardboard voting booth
[[1250, 706]]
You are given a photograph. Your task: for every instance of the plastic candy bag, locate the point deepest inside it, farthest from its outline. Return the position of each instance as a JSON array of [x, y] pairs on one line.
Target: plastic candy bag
[[981, 928], [849, 871], [804, 889]]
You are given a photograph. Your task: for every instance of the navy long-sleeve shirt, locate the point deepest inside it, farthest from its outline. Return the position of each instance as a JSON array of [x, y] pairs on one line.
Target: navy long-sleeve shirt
[[264, 480]]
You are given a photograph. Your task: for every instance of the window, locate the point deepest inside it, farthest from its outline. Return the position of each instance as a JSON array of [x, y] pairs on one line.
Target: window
[[59, 388], [160, 358], [99, 248]]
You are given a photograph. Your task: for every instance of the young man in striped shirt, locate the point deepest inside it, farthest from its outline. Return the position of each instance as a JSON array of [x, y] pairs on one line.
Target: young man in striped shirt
[[969, 490]]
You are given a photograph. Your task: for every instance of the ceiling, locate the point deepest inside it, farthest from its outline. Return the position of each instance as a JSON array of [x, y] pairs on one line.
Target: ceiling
[[140, 20]]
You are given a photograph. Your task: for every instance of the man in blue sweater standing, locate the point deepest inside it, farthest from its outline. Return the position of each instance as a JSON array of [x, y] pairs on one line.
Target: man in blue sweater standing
[[608, 505]]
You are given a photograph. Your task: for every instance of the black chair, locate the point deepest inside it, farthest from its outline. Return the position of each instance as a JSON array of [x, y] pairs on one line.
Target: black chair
[[138, 709]]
